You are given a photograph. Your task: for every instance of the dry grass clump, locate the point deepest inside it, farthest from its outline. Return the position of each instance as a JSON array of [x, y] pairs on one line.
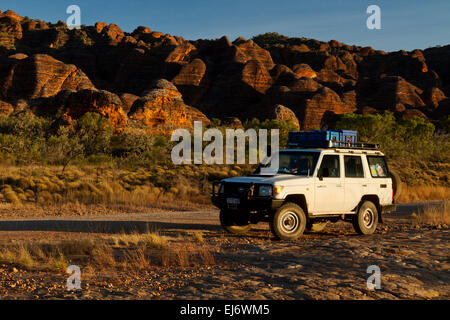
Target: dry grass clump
[[424, 193], [47, 185], [126, 252], [31, 256], [434, 214], [10, 195], [197, 236]]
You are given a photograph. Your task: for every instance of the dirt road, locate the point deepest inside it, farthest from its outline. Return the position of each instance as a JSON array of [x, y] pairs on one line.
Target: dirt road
[[163, 221], [413, 260]]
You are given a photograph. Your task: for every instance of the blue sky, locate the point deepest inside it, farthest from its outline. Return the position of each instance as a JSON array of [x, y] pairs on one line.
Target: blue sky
[[405, 24]]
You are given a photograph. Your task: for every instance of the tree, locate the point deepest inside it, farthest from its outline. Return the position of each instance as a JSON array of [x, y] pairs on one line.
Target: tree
[[95, 133], [91, 135]]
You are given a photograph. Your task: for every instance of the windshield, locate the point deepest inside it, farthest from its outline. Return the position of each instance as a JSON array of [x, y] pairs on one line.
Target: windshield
[[294, 162]]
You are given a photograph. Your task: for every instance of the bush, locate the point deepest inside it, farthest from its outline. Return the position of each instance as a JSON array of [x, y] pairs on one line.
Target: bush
[[402, 139], [444, 124], [63, 147], [269, 38], [22, 137], [24, 125], [282, 125], [128, 144], [94, 133]]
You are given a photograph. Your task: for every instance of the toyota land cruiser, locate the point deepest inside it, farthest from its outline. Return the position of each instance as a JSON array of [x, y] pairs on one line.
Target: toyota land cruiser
[[310, 188]]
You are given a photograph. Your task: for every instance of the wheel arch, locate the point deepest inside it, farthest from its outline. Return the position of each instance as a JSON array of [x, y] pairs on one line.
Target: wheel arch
[[298, 199], [375, 200]]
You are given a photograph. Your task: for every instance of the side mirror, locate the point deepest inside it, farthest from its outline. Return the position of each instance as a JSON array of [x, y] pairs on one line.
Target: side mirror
[[320, 176]]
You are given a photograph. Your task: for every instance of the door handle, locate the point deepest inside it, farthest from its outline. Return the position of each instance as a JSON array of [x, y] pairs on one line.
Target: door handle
[[364, 185], [322, 186]]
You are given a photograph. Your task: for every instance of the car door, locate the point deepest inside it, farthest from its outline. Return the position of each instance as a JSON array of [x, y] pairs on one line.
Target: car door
[[380, 178], [329, 189], [355, 184]]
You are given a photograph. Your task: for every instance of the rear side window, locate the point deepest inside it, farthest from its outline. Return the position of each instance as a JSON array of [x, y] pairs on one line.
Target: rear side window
[[378, 167], [353, 167]]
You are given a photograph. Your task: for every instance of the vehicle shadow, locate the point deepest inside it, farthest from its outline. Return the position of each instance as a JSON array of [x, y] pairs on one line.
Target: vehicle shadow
[[109, 227]]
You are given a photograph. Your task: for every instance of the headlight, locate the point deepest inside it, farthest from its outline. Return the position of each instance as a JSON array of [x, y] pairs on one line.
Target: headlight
[[265, 191]]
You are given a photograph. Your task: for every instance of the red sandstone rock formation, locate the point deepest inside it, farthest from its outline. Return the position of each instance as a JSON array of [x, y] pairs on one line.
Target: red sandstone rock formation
[[74, 104], [162, 109], [304, 70], [325, 100], [5, 108], [41, 76], [284, 114], [242, 79], [127, 101]]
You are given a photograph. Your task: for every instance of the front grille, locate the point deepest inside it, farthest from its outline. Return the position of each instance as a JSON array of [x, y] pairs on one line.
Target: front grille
[[237, 188]]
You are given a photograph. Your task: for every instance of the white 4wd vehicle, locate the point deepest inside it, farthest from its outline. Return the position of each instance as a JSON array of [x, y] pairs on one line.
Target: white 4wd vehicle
[[311, 187]]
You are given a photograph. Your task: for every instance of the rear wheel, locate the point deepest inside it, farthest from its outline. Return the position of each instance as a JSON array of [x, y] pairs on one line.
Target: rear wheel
[[366, 220], [289, 222], [234, 221]]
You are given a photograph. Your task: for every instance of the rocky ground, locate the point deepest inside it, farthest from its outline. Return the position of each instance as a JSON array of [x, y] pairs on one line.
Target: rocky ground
[[413, 259]]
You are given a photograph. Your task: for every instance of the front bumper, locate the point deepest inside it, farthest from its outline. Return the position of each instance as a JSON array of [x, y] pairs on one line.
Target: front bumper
[[244, 201], [246, 204]]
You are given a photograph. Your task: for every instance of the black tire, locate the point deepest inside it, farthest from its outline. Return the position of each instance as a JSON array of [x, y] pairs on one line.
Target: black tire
[[397, 185], [316, 227], [288, 222], [365, 221], [234, 222]]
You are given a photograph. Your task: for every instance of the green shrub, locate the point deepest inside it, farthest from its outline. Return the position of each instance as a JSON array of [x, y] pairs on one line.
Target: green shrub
[[282, 125], [131, 144], [22, 137], [401, 139], [95, 133], [269, 38]]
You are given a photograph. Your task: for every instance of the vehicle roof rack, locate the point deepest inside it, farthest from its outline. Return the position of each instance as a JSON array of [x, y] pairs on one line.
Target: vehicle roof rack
[[335, 145], [337, 139]]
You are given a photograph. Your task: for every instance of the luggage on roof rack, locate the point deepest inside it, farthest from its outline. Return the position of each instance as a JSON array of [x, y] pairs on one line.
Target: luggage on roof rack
[[326, 139]]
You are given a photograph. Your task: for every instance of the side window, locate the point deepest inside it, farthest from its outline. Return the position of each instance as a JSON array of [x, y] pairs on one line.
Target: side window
[[377, 166], [330, 167], [353, 167]]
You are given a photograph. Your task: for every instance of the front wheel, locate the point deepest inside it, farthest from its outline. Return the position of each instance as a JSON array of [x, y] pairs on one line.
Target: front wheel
[[288, 222], [366, 220], [234, 222]]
